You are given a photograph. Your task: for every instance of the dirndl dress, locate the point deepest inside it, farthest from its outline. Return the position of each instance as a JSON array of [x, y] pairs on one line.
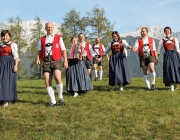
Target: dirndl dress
[[77, 77], [7, 79], [171, 67], [118, 69]]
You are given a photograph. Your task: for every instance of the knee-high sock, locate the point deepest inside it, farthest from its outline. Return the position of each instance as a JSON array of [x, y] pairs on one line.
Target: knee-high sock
[[172, 87], [96, 75], [51, 94], [146, 79], [59, 88], [100, 75], [153, 77]]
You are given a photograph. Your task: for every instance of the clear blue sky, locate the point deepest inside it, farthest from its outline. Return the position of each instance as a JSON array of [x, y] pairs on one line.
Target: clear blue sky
[[126, 14]]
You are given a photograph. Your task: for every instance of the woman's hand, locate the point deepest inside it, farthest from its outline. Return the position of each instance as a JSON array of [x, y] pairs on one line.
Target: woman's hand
[[134, 49], [15, 68], [156, 61]]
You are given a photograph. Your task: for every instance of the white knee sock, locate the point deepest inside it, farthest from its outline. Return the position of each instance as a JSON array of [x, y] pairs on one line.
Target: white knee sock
[[153, 77], [172, 87], [146, 79], [51, 94], [96, 75], [59, 88], [100, 75]]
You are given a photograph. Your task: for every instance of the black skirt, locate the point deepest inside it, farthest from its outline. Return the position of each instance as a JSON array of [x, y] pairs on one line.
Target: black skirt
[[77, 77], [118, 69], [7, 79], [171, 67]]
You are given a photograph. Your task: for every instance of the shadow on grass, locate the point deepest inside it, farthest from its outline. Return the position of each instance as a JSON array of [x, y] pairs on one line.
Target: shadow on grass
[[39, 102], [31, 87], [31, 92], [111, 88], [37, 90], [32, 102]]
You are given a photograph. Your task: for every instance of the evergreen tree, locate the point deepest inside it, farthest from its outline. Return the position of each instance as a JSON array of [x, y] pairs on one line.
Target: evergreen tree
[[18, 36], [101, 26], [72, 26], [36, 34]]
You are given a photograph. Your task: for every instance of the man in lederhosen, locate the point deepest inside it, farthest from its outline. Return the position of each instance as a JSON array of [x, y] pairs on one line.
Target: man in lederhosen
[[147, 56], [87, 52], [51, 49], [99, 50]]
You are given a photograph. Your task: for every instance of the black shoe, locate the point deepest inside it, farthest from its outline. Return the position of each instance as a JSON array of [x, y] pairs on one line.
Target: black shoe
[[147, 89], [175, 87], [116, 89], [62, 102], [153, 87], [96, 78], [51, 105]]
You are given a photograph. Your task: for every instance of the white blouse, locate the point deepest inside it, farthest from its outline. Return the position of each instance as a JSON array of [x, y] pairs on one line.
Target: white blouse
[[84, 53], [124, 43], [14, 50], [169, 41]]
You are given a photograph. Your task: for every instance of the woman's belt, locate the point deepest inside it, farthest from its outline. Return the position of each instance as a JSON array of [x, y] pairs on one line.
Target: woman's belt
[[5, 54]]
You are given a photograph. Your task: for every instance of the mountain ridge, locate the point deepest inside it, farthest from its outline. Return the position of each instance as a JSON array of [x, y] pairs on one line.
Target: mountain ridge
[[133, 61], [154, 31]]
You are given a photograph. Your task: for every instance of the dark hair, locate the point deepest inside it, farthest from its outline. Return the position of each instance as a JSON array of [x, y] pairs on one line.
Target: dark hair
[[81, 34], [167, 28], [4, 32], [116, 33], [73, 38]]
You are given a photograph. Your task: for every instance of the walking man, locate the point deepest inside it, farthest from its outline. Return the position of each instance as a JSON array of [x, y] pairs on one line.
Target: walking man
[[51, 49], [147, 56]]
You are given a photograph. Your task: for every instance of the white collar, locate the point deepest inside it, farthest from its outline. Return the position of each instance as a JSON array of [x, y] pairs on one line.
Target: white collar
[[145, 37], [52, 35]]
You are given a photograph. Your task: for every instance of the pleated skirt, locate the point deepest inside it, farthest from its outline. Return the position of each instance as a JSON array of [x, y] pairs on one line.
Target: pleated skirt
[[7, 79], [77, 77], [171, 67], [118, 69]]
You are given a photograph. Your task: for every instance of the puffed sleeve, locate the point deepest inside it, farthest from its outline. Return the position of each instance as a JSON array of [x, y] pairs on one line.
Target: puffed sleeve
[[15, 51], [108, 48], [125, 44], [160, 47], [177, 45]]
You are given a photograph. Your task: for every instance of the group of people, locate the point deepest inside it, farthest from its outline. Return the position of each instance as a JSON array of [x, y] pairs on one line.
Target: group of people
[[78, 65]]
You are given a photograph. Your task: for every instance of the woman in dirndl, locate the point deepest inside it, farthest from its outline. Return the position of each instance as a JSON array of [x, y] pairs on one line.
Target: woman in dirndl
[[77, 77], [171, 59], [8, 67], [118, 67]]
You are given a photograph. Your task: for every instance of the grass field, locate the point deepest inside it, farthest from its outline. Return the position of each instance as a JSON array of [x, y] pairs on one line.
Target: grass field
[[100, 114]]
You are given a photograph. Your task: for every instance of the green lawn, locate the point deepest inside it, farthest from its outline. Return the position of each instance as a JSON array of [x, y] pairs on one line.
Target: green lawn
[[101, 114]]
